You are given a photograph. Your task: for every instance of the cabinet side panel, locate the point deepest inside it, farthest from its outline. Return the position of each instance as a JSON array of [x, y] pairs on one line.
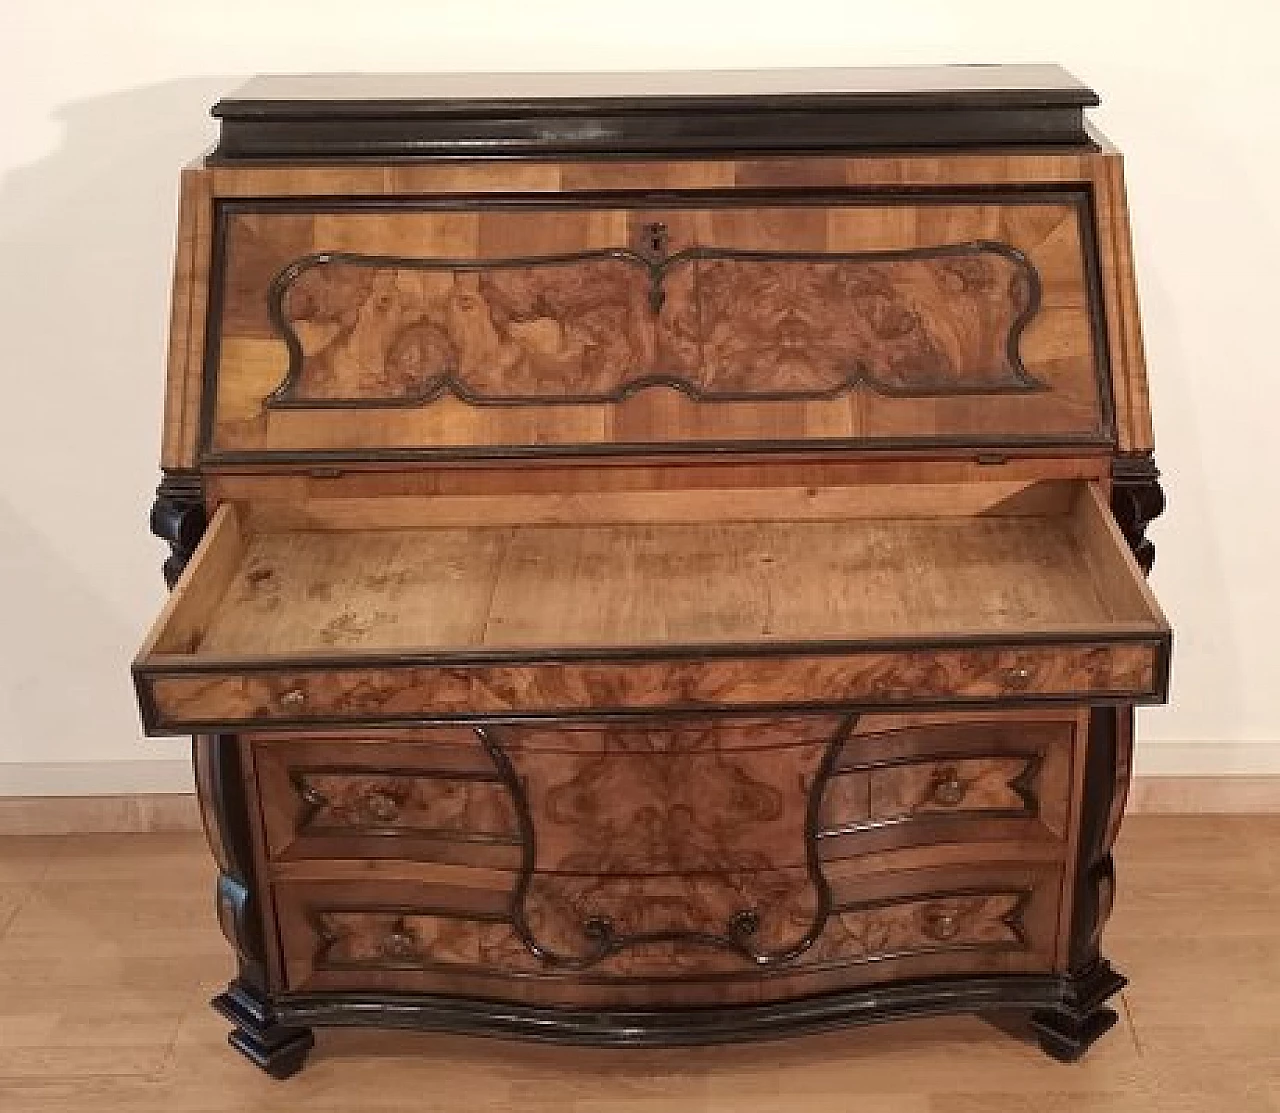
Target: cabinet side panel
[[187, 322], [1124, 326]]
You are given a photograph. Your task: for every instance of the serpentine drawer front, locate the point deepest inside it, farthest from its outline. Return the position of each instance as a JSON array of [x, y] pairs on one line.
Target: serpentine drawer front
[[681, 580], [674, 940], [659, 795]]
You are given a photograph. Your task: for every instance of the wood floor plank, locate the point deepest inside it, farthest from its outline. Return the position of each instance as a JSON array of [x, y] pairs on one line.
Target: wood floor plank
[[111, 956]]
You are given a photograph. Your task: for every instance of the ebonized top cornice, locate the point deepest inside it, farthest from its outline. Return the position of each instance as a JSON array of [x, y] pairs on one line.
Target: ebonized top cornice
[[420, 116]]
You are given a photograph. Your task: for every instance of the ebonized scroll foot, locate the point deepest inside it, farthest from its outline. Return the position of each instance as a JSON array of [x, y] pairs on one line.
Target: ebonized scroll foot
[[1065, 1032], [279, 1049]]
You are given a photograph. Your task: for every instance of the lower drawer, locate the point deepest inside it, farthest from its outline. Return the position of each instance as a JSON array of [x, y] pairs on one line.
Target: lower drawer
[[669, 940], [667, 795]]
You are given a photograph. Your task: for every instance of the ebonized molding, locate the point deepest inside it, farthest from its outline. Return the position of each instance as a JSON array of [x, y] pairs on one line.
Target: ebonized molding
[[1137, 499], [279, 1049], [603, 115], [178, 518], [674, 1027]]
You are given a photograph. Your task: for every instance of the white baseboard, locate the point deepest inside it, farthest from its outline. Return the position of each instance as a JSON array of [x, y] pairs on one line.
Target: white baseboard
[[173, 774], [170, 775], [96, 778], [1207, 759]]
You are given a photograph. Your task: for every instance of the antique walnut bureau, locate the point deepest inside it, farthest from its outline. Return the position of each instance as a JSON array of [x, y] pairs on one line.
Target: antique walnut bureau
[[658, 559]]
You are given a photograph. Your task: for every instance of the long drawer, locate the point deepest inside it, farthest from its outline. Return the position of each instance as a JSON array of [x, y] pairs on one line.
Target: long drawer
[[1034, 601], [667, 795], [670, 940]]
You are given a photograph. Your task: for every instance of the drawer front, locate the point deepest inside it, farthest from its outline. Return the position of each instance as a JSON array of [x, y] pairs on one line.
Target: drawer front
[[669, 796], [430, 795], [704, 937], [213, 699], [943, 319], [970, 778]]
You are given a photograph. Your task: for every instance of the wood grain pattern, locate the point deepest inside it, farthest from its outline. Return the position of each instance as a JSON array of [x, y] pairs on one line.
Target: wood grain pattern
[[692, 584], [387, 694], [339, 800], [980, 917], [1123, 318], [380, 330], [1015, 772], [586, 330], [669, 796], [666, 925], [875, 477], [980, 784], [1194, 922], [555, 179], [428, 795]]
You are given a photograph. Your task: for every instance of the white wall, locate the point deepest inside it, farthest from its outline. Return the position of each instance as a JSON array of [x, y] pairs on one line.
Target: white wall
[[101, 102]]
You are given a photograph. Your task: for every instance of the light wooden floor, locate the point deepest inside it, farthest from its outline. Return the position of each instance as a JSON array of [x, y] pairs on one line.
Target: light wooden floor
[[108, 953]]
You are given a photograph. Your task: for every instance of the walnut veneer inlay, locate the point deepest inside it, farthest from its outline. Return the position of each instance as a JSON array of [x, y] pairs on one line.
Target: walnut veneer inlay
[[718, 325]]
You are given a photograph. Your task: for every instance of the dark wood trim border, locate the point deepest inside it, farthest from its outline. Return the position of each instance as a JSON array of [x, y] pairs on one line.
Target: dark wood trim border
[[354, 118], [995, 997]]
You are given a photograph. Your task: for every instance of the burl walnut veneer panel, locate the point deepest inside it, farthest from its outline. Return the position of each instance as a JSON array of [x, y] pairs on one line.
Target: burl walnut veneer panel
[[432, 795], [343, 694], [671, 940], [351, 331]]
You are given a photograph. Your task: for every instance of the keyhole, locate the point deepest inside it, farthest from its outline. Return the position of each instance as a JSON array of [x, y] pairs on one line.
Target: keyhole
[[655, 240]]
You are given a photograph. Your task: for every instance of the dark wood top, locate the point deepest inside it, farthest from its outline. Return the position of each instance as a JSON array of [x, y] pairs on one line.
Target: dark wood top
[[337, 116]]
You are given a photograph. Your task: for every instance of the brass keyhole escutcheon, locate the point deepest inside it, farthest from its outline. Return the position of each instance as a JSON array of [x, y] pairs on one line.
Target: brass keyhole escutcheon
[[654, 240]]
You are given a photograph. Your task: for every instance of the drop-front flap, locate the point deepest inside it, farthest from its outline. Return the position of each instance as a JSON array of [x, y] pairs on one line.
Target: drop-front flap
[[392, 329]]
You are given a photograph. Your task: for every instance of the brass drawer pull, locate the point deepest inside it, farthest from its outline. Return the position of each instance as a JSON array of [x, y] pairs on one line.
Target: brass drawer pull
[[400, 943], [941, 924], [948, 789], [1017, 677], [380, 806], [293, 698]]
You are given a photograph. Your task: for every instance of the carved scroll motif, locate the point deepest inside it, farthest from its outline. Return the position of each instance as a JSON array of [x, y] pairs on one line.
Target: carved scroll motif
[[597, 327]]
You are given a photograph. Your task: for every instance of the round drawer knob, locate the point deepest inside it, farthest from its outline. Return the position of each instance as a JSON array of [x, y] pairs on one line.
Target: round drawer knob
[[380, 806], [948, 789], [941, 924], [293, 698], [400, 944], [599, 929]]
